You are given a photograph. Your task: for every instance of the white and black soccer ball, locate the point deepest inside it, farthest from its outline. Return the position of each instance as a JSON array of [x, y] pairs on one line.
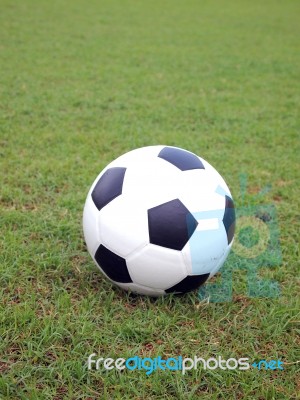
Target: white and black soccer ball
[[159, 220]]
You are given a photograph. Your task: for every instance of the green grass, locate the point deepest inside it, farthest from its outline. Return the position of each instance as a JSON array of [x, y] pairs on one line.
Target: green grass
[[80, 84]]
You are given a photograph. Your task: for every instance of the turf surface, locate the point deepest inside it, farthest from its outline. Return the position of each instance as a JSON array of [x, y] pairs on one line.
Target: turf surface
[[80, 84]]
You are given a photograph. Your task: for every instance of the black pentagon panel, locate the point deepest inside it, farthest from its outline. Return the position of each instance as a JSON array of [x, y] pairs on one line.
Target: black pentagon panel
[[108, 187], [229, 218], [182, 159], [171, 225], [191, 282], [113, 265]]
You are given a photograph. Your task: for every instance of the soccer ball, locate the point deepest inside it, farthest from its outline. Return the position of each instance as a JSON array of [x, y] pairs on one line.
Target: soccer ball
[[159, 220]]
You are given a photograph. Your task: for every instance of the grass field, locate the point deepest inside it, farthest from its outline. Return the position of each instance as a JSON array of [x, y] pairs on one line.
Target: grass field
[[80, 84]]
